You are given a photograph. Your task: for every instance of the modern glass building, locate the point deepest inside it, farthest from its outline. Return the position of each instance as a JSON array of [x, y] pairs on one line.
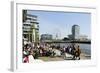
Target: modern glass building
[[75, 31], [30, 27]]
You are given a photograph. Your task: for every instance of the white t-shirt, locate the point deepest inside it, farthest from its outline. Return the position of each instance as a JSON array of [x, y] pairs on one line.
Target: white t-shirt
[[31, 59], [70, 49]]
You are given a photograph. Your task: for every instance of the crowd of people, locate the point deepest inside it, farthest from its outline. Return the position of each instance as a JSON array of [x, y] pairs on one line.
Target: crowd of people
[[32, 51]]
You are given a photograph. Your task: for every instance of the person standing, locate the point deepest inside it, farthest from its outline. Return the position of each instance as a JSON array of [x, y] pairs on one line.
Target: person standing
[[78, 52], [26, 59], [30, 57]]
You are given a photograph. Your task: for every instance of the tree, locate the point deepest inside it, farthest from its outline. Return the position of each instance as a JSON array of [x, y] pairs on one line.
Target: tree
[[65, 38]]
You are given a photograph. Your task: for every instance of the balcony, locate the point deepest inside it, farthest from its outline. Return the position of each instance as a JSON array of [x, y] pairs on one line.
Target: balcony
[[35, 22]]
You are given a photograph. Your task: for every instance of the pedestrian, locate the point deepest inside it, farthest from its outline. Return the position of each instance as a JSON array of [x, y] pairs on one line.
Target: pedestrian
[[70, 49], [78, 52], [30, 57], [41, 52], [26, 59]]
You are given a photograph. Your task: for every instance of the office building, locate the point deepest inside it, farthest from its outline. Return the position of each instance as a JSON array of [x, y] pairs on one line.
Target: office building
[[75, 31]]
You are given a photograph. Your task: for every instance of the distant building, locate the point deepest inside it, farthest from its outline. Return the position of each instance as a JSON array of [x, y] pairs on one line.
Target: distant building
[[83, 37], [75, 31], [46, 37], [30, 27], [70, 36], [76, 34]]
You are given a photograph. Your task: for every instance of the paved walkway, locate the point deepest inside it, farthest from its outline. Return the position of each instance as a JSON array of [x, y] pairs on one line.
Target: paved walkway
[[51, 58], [83, 57]]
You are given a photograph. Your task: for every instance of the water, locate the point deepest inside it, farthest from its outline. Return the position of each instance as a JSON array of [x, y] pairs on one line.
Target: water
[[85, 48]]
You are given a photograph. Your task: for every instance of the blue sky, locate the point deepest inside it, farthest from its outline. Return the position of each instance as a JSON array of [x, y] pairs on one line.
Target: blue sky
[[61, 22]]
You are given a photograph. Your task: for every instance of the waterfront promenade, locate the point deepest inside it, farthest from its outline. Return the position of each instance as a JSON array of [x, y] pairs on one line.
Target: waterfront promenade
[[56, 52], [83, 56]]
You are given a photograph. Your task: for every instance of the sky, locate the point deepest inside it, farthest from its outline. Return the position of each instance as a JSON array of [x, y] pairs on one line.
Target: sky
[[60, 23]]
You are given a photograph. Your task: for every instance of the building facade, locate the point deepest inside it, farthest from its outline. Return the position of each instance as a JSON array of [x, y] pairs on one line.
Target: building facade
[[76, 34], [70, 36], [75, 31], [30, 27], [83, 38], [46, 37]]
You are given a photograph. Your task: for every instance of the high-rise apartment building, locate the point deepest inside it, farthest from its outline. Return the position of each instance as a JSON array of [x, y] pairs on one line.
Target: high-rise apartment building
[[30, 27], [75, 31]]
